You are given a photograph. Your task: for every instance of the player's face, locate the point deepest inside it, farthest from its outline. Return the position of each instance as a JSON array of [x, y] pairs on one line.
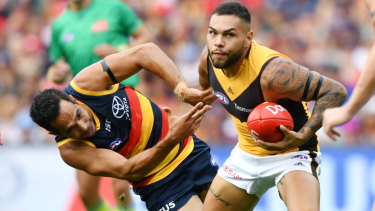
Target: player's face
[[74, 121], [226, 38]]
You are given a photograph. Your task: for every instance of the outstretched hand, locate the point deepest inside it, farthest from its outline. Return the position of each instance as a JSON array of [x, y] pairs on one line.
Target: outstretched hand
[[180, 127], [334, 117], [194, 96], [291, 140]]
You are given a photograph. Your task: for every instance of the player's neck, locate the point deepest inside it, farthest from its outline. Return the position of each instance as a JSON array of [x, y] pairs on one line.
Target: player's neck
[[78, 5]]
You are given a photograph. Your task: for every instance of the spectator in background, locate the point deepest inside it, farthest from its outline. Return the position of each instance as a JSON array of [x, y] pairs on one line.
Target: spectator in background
[[87, 31], [361, 94]]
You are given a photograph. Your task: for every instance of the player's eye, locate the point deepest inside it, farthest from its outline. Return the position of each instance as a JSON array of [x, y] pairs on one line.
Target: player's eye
[[212, 33]]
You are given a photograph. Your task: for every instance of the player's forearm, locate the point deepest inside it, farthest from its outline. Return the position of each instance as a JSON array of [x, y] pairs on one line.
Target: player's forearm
[[111, 164], [157, 62], [332, 94], [145, 56], [138, 166], [365, 86]]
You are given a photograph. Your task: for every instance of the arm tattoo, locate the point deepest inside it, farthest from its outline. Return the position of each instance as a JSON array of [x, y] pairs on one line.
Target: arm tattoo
[[332, 94], [218, 197], [287, 78]]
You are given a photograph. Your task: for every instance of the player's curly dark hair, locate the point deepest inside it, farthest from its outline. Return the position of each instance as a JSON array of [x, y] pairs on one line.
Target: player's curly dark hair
[[233, 8], [45, 107]]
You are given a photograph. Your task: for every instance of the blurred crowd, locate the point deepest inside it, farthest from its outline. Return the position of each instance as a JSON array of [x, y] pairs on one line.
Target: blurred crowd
[[330, 37]]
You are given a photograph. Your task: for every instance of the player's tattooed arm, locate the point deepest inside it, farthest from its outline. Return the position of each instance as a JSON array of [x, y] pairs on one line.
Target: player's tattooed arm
[[283, 79]]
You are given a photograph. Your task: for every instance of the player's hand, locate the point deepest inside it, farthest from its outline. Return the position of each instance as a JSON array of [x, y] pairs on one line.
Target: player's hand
[[334, 117], [182, 126], [1, 140], [291, 140], [104, 50], [194, 96], [59, 72]]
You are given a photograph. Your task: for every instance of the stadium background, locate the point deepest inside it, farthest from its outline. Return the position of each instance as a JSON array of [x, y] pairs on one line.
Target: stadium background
[[331, 37]]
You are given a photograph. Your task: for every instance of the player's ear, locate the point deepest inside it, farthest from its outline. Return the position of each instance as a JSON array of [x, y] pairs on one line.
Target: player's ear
[[249, 38]]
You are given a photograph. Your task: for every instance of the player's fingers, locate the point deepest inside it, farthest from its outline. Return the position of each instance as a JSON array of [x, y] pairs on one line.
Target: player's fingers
[[331, 136], [201, 112], [336, 133], [262, 144], [193, 111]]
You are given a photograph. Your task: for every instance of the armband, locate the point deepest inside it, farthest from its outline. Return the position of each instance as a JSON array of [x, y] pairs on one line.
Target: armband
[[108, 71]]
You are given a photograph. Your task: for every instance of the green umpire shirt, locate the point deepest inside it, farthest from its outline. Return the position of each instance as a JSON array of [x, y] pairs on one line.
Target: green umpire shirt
[[76, 34]]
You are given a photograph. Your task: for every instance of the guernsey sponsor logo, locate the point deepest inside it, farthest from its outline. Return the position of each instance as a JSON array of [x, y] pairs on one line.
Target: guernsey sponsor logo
[[247, 110], [304, 157], [231, 172], [120, 108]]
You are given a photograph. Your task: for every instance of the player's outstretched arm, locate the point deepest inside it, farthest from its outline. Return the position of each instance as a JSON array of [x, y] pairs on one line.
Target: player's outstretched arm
[[104, 162], [284, 79], [361, 94], [126, 63]]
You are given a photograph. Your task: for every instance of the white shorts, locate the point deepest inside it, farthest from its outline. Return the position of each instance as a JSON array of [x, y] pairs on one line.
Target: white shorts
[[257, 174]]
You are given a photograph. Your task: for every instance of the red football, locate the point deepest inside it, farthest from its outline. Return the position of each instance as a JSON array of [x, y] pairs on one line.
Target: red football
[[265, 119]]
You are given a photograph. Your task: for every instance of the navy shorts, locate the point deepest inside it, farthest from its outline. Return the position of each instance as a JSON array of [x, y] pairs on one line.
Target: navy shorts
[[191, 177]]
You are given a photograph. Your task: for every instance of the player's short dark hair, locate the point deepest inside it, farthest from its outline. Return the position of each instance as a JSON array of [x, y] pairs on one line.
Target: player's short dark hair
[[233, 8], [45, 107]]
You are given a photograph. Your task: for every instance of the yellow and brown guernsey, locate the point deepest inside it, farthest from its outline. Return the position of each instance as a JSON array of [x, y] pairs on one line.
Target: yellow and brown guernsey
[[242, 92], [128, 122]]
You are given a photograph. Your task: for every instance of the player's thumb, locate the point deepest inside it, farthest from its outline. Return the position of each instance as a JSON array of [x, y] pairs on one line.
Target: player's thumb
[[284, 129]]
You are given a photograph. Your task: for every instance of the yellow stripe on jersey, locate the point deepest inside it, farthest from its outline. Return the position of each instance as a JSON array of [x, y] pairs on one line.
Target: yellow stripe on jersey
[[72, 139], [166, 160], [173, 165], [112, 90], [147, 124], [146, 129]]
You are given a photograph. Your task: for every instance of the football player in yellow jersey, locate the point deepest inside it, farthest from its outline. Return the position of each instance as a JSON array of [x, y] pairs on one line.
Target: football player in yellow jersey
[[244, 74]]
